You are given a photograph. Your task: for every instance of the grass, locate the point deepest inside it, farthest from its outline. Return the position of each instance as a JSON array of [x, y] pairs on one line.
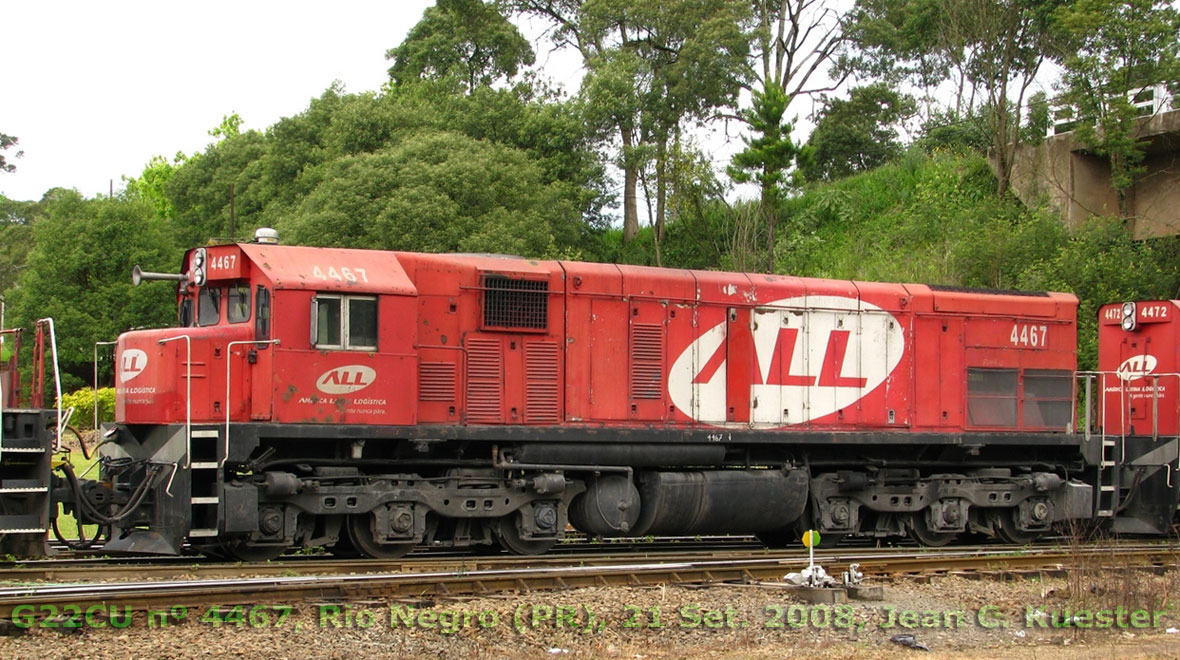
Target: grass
[[66, 522]]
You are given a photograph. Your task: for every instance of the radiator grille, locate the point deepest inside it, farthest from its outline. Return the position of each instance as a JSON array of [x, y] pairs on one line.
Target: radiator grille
[[647, 361], [485, 378], [436, 381], [541, 385]]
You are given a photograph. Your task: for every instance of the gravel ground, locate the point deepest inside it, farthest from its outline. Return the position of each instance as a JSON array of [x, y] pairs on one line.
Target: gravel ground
[[953, 617]]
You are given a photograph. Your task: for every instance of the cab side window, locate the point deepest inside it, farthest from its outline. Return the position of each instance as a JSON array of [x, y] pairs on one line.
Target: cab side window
[[238, 309], [186, 313], [344, 322], [262, 314], [209, 307]]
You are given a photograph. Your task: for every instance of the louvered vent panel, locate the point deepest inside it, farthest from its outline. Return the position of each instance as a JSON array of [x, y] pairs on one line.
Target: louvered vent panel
[[541, 402], [436, 381], [647, 361], [485, 381]]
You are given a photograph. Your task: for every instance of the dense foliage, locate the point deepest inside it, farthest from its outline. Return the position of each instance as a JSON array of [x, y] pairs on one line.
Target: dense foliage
[[83, 400]]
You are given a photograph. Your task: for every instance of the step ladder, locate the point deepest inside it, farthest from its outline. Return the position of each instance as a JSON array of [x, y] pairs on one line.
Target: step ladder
[[26, 453], [1109, 469], [205, 480]]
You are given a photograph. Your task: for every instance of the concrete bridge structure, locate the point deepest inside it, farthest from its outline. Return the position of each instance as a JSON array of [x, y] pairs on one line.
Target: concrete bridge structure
[[1076, 181]]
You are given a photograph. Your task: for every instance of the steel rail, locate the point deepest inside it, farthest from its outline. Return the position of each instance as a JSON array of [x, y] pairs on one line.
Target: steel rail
[[197, 567], [469, 578]]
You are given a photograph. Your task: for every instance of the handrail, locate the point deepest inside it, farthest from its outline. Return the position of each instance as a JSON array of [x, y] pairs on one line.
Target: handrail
[[229, 348], [56, 378], [1125, 409], [96, 345]]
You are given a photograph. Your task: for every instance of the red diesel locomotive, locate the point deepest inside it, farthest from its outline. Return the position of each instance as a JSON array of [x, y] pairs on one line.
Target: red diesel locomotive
[[373, 402]]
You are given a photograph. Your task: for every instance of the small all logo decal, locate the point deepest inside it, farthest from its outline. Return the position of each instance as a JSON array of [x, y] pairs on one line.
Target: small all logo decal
[[346, 379], [132, 363], [1137, 366]]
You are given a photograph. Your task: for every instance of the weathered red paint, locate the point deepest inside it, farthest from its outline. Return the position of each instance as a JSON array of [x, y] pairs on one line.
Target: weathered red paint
[[1139, 370], [622, 345]]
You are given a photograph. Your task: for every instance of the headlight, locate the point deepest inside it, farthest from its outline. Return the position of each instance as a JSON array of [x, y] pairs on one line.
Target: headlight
[[199, 267], [1129, 313]]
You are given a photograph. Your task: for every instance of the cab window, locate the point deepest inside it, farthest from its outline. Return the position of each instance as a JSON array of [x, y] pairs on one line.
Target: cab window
[[209, 307], [262, 314], [186, 313], [344, 322], [238, 309]]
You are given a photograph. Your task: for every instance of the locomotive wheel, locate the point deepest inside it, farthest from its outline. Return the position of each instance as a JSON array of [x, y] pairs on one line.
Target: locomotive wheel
[[242, 551], [360, 536], [508, 534], [920, 531], [1004, 522]]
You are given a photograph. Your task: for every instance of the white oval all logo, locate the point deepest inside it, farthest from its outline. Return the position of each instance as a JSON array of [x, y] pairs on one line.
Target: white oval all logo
[[346, 379], [1137, 366], [132, 363], [815, 355]]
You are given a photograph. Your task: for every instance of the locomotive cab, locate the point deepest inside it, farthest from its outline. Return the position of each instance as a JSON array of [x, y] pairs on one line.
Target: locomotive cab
[[339, 329], [337, 355]]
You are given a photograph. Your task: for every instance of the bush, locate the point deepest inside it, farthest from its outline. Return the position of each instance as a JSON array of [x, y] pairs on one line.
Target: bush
[[83, 404]]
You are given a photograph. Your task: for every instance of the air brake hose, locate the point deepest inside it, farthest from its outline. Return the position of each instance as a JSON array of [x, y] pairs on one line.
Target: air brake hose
[[93, 514]]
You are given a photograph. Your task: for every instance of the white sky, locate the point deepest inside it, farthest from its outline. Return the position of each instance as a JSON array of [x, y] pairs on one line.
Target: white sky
[[95, 89]]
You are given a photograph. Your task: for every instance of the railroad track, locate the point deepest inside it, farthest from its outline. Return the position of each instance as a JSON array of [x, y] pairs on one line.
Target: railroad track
[[573, 544], [628, 551], [429, 578]]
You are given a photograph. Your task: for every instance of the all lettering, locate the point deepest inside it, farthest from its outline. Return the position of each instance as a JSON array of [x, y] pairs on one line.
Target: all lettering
[[831, 371]]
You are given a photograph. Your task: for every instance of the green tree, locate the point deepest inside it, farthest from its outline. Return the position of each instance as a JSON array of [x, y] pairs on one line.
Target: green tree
[[16, 238], [766, 158], [272, 174], [470, 39], [1102, 263], [436, 192], [990, 50], [7, 141], [88, 292], [651, 66], [1004, 46], [896, 42], [151, 183], [212, 190], [795, 42], [1112, 50], [230, 126], [855, 134]]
